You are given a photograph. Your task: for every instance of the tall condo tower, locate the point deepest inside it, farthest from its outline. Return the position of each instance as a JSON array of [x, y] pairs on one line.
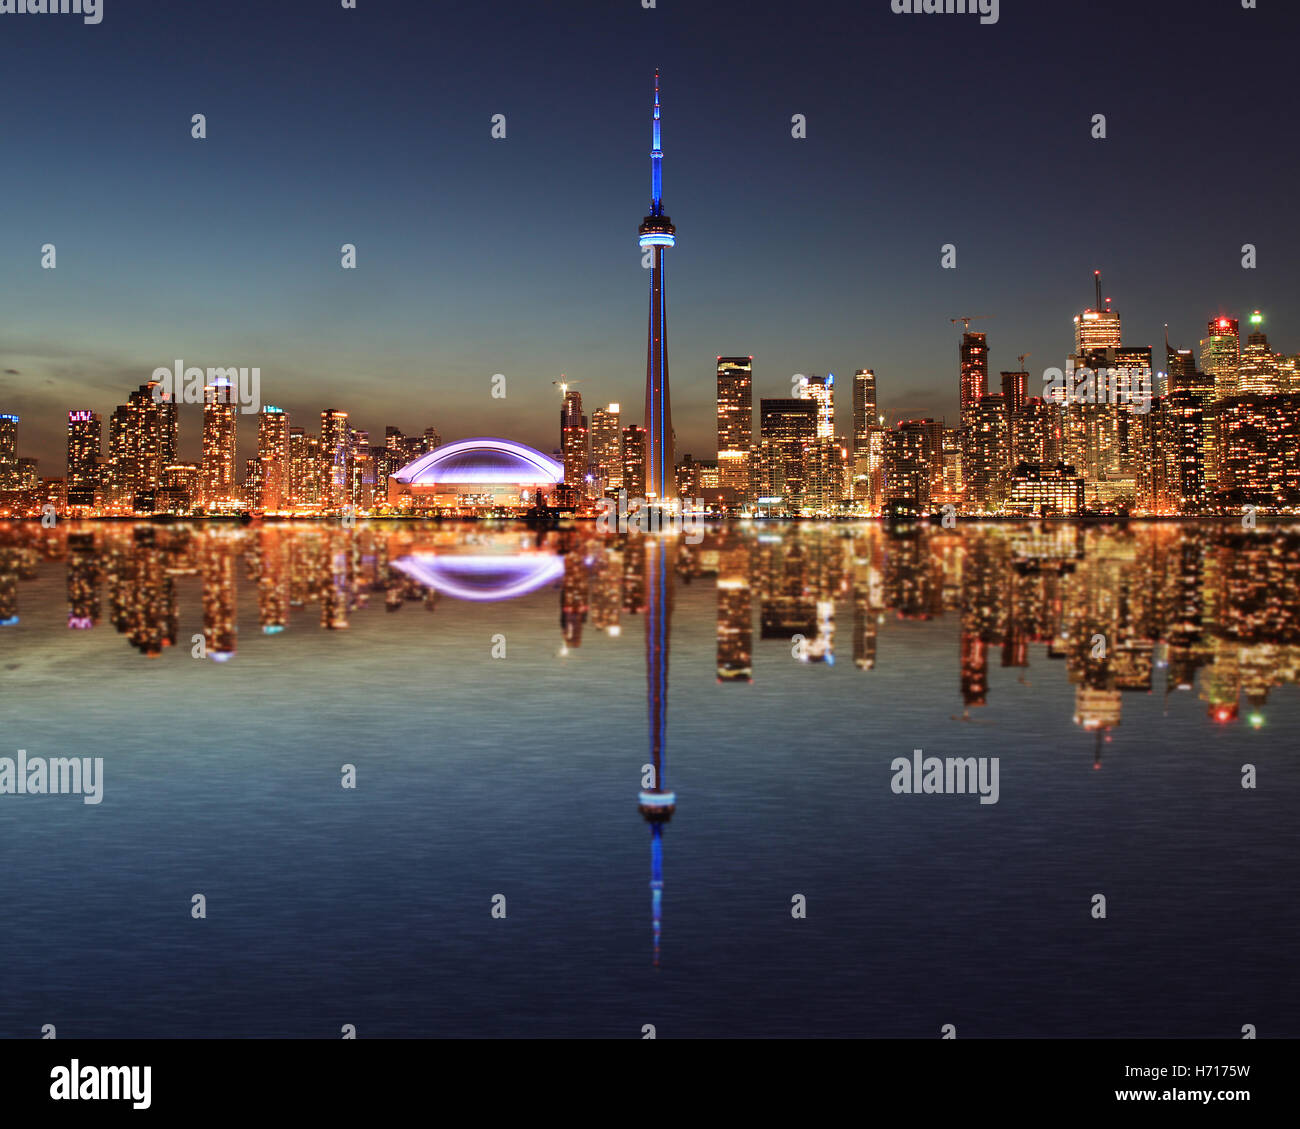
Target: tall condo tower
[[657, 232]]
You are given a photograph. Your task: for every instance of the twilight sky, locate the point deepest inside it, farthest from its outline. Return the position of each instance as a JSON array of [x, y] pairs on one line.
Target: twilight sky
[[477, 256]]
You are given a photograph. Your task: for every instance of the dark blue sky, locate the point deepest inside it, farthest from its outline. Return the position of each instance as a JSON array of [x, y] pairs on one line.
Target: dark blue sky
[[328, 125]]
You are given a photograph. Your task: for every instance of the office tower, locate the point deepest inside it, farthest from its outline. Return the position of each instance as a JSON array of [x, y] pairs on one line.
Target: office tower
[[949, 485], [220, 411], [634, 447], [1036, 437], [1288, 373], [871, 469], [1044, 491], [1258, 442], [790, 425], [432, 441], [908, 473], [735, 425], [573, 441], [273, 452], [1180, 449], [1257, 370], [986, 453], [84, 440], [767, 459], [821, 391], [335, 458], [304, 459], [1180, 367], [8, 441], [974, 370], [825, 467], [1015, 388], [1220, 355], [179, 491], [864, 410], [657, 233], [607, 449], [1096, 329]]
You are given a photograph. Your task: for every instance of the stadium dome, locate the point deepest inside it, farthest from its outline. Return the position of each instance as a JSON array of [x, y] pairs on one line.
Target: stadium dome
[[475, 475], [482, 462]]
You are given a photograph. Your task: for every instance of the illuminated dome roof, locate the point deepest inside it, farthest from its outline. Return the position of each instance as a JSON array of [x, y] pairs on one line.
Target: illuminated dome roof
[[483, 578], [482, 461]]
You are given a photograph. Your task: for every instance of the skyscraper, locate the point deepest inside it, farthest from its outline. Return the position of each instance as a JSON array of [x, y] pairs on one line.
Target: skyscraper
[[1220, 355], [735, 424], [220, 412], [1097, 328], [657, 232], [607, 448], [335, 457], [791, 425], [634, 446], [864, 410], [1257, 371], [573, 441], [84, 439], [9, 451], [821, 391], [974, 369], [273, 454]]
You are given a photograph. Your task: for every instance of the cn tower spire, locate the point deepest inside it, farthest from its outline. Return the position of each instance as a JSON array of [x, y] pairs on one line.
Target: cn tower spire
[[657, 234], [656, 161]]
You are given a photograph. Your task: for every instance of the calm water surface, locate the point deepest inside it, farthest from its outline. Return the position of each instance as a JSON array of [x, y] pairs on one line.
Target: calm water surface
[[499, 691]]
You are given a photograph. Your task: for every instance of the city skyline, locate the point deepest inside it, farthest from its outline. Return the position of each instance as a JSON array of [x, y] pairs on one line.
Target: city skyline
[[336, 344]]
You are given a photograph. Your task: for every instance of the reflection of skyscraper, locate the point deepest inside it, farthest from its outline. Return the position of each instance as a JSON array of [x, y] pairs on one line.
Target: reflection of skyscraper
[[735, 612], [656, 802], [658, 233]]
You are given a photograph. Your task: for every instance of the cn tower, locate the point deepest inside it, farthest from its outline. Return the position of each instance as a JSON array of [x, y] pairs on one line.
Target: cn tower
[[657, 232]]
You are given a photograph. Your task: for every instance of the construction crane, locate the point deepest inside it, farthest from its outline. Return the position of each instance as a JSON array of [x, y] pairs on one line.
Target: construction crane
[[965, 321], [1021, 359]]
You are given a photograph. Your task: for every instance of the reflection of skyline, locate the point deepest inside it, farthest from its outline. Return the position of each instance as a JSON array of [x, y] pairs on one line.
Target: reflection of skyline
[[1178, 607]]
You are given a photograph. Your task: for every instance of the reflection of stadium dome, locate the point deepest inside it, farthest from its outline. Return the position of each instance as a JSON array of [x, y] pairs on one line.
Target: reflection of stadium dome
[[482, 578], [476, 472]]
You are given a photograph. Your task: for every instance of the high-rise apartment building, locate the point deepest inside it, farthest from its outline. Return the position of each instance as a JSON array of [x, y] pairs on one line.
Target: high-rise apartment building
[[735, 425]]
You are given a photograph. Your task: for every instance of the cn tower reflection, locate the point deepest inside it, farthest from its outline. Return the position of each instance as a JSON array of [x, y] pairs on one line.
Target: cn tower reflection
[[657, 802]]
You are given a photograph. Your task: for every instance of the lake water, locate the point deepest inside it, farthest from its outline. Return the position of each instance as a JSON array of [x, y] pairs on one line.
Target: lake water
[[500, 692]]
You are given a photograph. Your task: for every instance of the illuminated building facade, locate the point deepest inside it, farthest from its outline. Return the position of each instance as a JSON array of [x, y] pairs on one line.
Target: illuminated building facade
[[735, 384], [974, 370], [85, 429], [607, 449], [1221, 354], [218, 489], [474, 475]]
